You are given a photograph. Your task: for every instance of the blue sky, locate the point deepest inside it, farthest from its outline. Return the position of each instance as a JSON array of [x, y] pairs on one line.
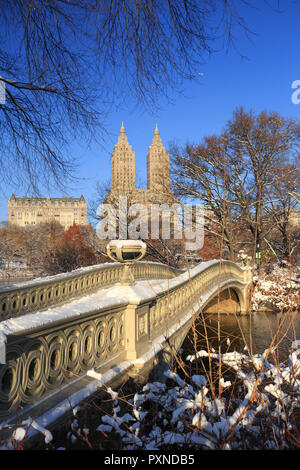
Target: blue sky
[[262, 82]]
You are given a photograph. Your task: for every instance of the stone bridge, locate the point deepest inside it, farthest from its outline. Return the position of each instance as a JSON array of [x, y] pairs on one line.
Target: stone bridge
[[57, 333]]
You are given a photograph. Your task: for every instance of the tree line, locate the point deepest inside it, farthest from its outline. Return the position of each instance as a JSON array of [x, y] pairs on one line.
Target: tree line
[[249, 178], [48, 249]]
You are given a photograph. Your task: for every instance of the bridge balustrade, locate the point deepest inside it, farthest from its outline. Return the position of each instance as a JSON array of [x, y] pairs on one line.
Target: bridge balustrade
[[31, 296], [44, 358]]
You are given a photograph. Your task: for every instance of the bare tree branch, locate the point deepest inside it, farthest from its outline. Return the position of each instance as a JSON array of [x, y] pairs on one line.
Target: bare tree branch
[[65, 63]]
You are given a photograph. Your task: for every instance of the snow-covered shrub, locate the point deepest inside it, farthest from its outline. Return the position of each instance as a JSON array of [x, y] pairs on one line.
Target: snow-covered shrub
[[278, 290], [22, 431], [253, 410], [229, 401]]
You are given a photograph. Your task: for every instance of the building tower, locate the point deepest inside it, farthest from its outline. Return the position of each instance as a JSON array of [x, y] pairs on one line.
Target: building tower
[[122, 165], [158, 171]]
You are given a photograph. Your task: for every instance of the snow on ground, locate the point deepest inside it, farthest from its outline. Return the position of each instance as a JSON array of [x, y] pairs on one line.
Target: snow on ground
[[189, 414], [257, 414], [277, 290]]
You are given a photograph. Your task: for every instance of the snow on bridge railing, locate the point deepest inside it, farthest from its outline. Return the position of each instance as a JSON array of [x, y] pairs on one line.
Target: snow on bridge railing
[[43, 350], [41, 293]]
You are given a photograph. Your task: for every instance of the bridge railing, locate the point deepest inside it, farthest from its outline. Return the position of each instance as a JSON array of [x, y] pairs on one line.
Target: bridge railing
[[42, 358], [38, 294], [179, 295]]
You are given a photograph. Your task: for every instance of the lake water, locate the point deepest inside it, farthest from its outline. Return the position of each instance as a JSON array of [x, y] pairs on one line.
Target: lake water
[[256, 330]]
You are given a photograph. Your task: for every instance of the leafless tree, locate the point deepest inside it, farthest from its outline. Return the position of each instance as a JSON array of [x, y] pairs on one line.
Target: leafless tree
[[65, 63], [233, 173], [284, 237], [201, 173], [39, 240], [101, 191], [12, 242], [158, 249], [262, 144]]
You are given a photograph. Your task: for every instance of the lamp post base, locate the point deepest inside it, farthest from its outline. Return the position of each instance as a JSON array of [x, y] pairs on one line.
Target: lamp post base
[[127, 278]]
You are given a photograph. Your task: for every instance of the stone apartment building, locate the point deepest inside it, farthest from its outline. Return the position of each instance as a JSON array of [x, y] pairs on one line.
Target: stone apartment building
[[123, 173], [28, 211]]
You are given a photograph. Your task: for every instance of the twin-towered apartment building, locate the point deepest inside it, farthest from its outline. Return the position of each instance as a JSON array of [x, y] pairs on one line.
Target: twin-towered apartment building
[[29, 211], [123, 173]]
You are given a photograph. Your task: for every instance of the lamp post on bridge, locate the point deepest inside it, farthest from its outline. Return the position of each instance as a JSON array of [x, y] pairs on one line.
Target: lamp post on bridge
[[126, 252]]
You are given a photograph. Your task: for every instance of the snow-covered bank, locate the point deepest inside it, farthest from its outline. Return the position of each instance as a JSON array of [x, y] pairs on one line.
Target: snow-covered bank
[[190, 415], [277, 290]]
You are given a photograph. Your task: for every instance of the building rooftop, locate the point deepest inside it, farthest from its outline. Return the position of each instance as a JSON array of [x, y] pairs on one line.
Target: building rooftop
[[63, 199]]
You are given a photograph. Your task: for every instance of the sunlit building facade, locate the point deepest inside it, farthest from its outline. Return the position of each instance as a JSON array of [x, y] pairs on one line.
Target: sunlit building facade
[[30, 211]]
